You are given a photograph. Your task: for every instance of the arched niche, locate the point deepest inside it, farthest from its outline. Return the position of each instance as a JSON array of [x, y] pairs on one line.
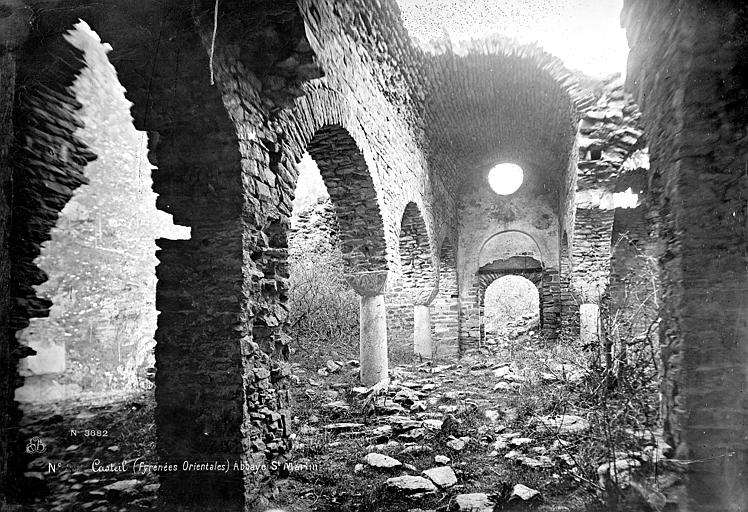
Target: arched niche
[[510, 249]]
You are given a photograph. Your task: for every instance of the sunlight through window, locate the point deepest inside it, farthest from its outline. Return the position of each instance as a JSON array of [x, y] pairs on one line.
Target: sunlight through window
[[505, 179]]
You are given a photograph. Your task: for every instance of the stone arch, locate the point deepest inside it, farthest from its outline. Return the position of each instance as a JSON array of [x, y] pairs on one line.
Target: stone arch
[[354, 198], [497, 269], [489, 285], [517, 248], [419, 277], [48, 162], [319, 124], [445, 307], [211, 377], [416, 256], [510, 252], [102, 248]]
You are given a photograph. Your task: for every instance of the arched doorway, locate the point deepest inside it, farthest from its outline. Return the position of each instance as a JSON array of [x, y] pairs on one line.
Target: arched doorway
[[510, 308]]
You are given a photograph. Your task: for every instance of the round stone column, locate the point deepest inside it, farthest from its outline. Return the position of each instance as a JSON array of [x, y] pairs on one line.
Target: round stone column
[[423, 344], [372, 325]]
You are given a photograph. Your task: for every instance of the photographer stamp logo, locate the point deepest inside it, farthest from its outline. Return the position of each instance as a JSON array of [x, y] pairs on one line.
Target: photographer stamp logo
[[35, 445]]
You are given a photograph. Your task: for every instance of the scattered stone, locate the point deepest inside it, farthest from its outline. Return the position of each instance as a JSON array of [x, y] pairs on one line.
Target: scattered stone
[[418, 406], [404, 422], [618, 472], [358, 468], [313, 382], [389, 445], [558, 444], [413, 434], [429, 387], [339, 427], [384, 430], [474, 502], [405, 396], [409, 467], [333, 366], [360, 391], [411, 484], [337, 405], [524, 493], [513, 454], [565, 423], [381, 461], [568, 459], [322, 372], [416, 449], [72, 447], [548, 377], [492, 416], [151, 488], [501, 371], [520, 441], [442, 476], [541, 462], [432, 424], [122, 485], [456, 444], [330, 394], [503, 386], [390, 407]]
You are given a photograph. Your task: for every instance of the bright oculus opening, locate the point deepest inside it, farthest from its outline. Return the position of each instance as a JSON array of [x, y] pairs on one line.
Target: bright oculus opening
[[506, 178]]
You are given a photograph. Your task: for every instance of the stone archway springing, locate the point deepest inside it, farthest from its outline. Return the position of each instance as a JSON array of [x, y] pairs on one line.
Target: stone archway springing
[[419, 276], [359, 230]]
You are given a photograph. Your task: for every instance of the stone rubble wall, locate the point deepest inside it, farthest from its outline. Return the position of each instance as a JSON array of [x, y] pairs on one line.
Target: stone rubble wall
[[14, 28], [445, 310], [609, 132], [694, 116], [100, 259], [48, 159]]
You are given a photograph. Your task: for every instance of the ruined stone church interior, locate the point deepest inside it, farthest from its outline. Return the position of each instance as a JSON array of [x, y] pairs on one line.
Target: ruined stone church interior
[[374, 255]]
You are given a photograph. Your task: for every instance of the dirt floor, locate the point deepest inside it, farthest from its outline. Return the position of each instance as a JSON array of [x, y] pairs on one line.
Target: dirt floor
[[517, 424]]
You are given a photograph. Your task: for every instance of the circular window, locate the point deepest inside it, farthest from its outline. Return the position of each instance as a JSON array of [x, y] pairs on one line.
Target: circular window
[[505, 179]]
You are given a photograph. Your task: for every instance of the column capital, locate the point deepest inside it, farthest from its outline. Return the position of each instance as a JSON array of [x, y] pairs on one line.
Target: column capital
[[423, 296], [368, 284]]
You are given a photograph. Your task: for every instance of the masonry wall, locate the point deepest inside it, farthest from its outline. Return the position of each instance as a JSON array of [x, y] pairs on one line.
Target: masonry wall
[[609, 133], [445, 310], [695, 118], [12, 29], [483, 215]]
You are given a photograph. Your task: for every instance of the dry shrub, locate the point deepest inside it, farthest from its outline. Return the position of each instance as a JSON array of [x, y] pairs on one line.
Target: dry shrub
[[323, 309]]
